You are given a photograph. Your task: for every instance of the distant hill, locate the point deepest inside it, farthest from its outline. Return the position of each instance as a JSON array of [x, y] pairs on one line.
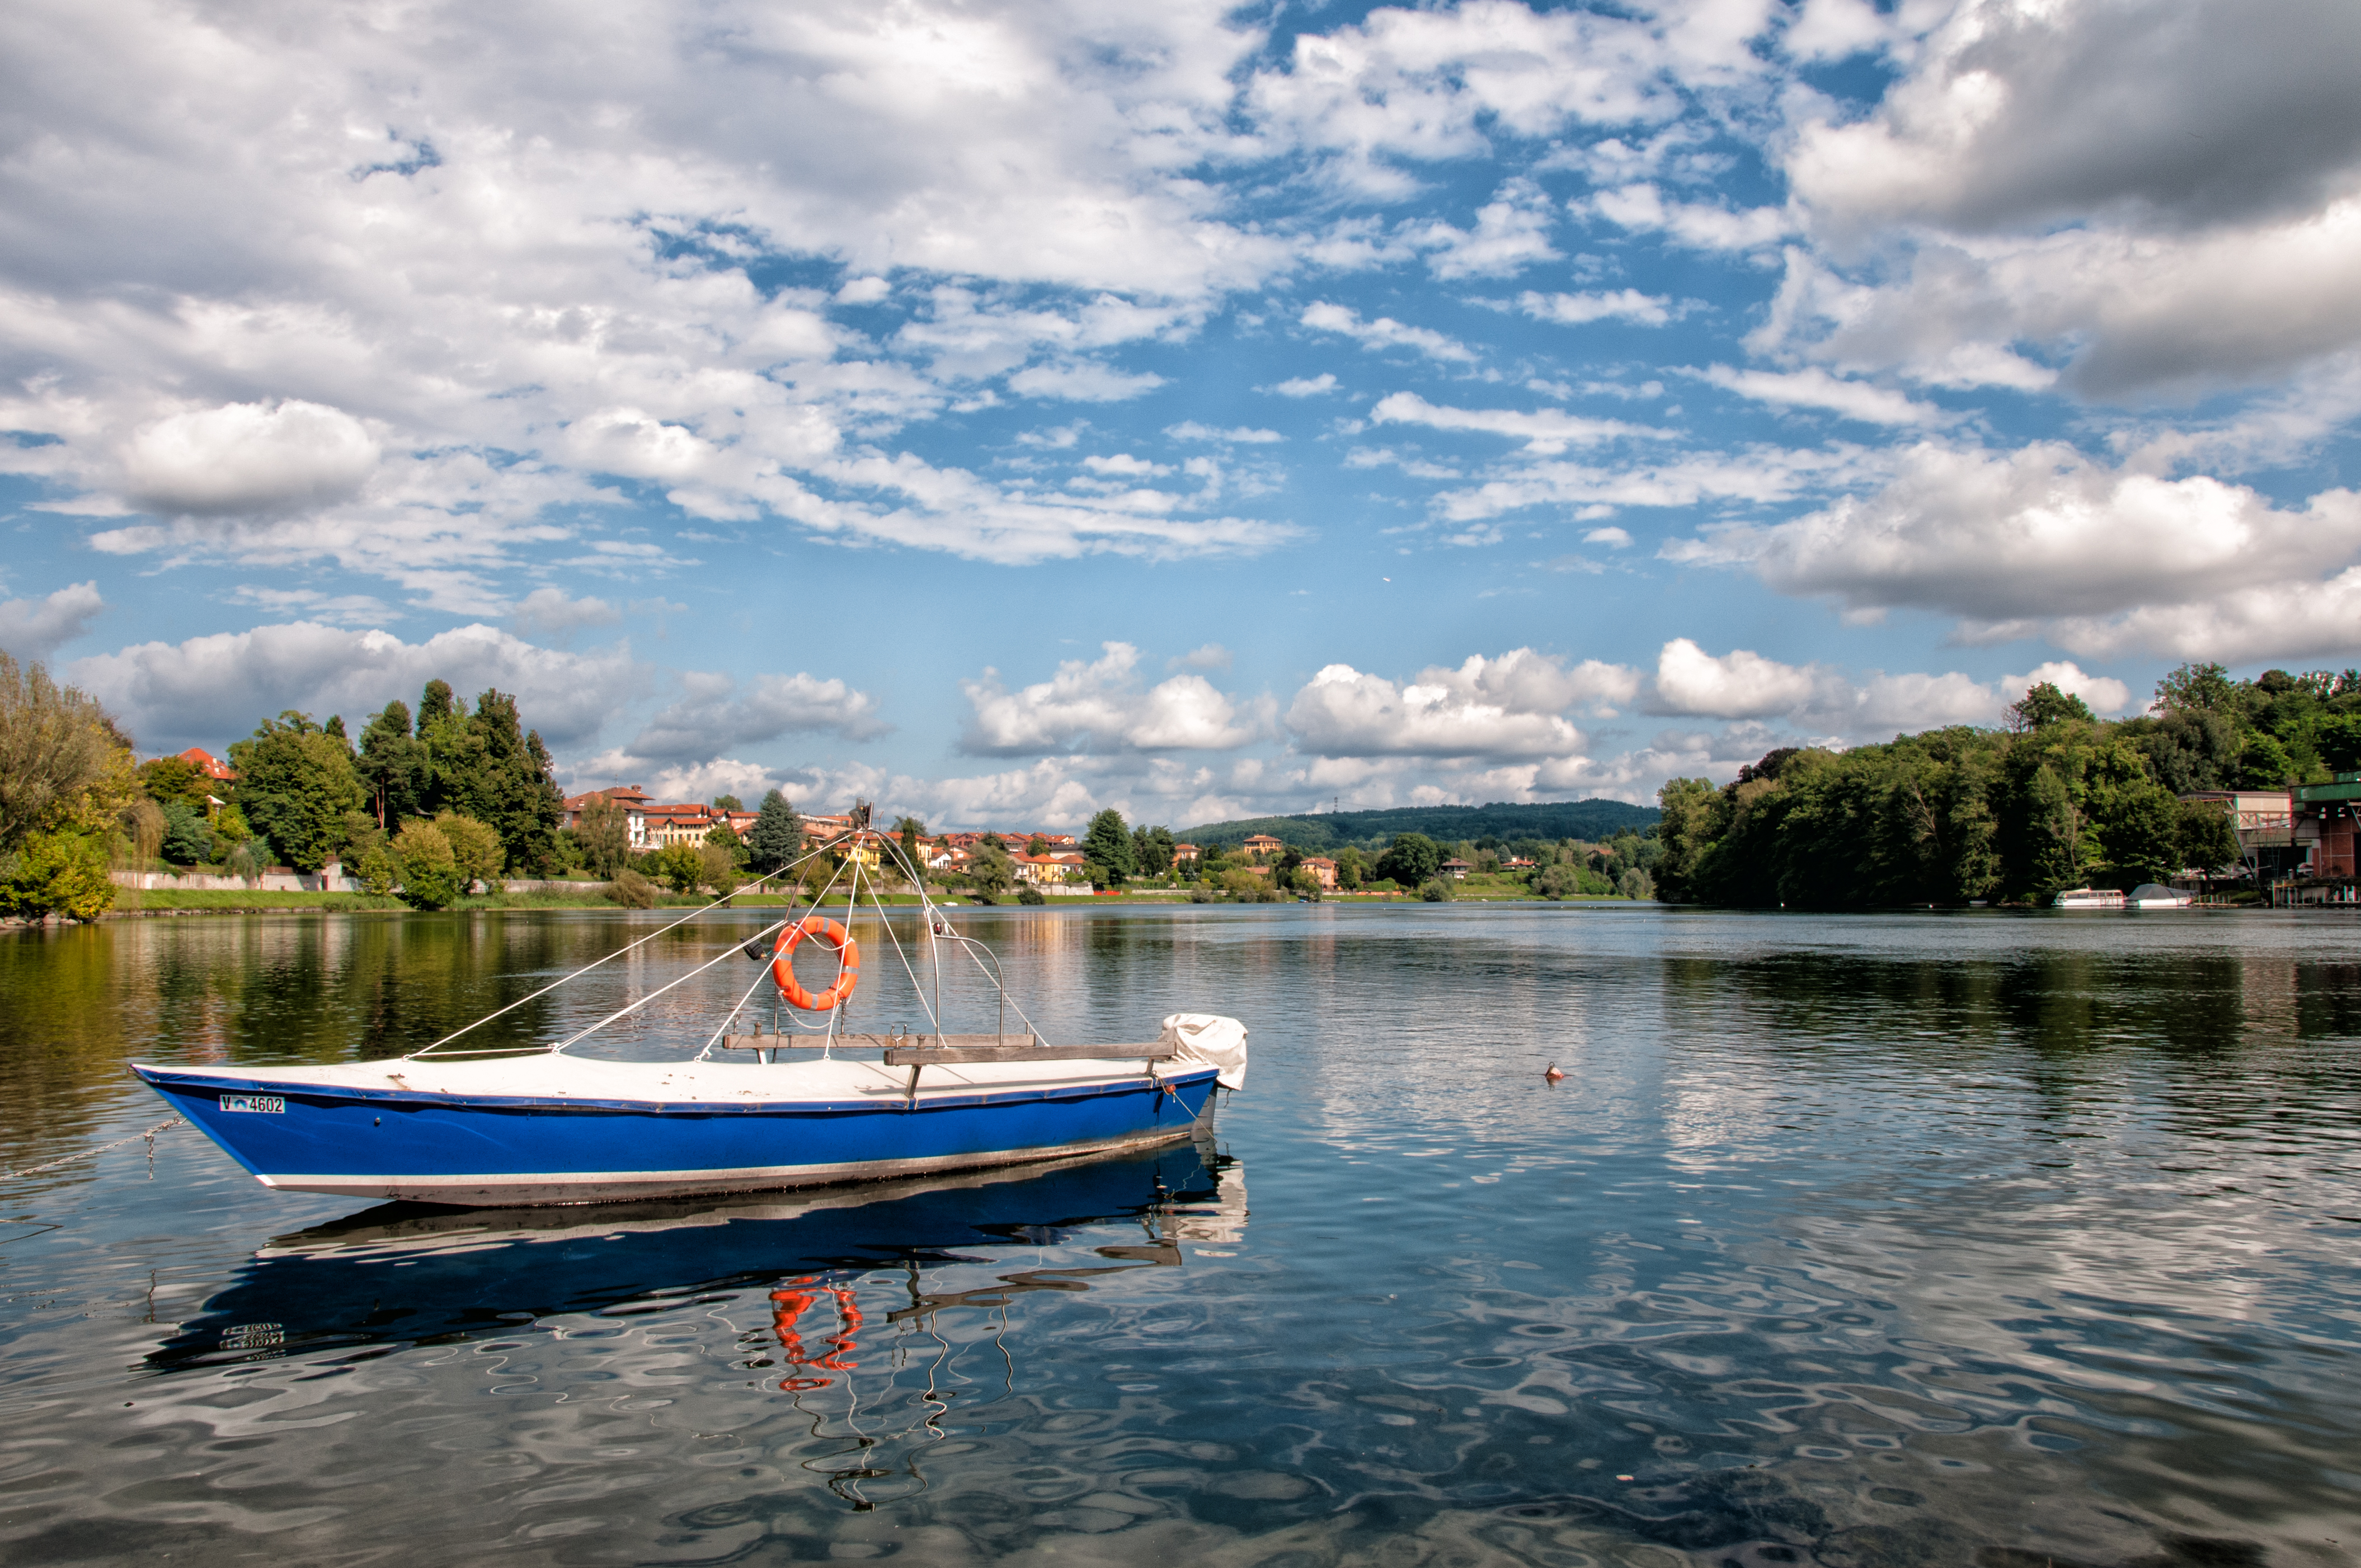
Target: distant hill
[[1591, 819]]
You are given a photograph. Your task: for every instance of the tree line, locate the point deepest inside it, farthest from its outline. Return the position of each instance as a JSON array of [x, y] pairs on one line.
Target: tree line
[[2058, 799]]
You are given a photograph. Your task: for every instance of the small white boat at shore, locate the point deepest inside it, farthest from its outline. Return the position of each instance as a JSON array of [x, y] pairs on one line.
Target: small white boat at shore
[[2089, 898], [2155, 895]]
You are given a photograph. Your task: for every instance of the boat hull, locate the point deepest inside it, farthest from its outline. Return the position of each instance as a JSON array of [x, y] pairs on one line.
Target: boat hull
[[472, 1147]]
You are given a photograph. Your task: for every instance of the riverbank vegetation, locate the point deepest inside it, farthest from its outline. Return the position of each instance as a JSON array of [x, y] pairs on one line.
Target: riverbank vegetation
[[2059, 799]]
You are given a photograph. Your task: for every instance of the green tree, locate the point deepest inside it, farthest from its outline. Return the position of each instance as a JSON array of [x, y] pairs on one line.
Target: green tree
[[728, 803], [603, 834], [1411, 860], [2207, 840], [393, 767], [908, 831], [1106, 849], [778, 835], [476, 850], [677, 866], [378, 871], [2044, 705], [2203, 687], [2141, 831], [1152, 850], [295, 784], [989, 869], [188, 837], [175, 778], [64, 765], [430, 870]]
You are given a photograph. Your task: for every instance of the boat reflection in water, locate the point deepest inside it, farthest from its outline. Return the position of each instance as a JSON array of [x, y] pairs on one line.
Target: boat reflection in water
[[846, 1299]]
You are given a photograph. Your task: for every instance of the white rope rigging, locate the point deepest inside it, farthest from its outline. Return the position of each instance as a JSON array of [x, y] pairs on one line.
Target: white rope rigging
[[939, 929]]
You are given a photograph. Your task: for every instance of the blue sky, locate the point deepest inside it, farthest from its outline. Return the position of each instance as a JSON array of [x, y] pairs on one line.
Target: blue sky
[[1007, 412]]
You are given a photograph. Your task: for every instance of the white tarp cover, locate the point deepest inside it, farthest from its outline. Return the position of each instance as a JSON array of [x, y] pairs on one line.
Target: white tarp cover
[[1213, 1040]]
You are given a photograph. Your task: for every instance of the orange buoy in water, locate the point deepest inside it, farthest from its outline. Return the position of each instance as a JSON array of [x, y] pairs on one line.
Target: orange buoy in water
[[1553, 1075], [848, 964]]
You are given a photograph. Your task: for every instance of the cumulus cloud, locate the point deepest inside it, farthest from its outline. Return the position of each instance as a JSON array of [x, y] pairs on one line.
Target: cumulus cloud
[[211, 690], [548, 612], [1100, 704], [1505, 708], [1617, 304], [1694, 224], [1189, 430], [1815, 389], [1211, 656], [1385, 332], [1545, 431], [716, 716], [1510, 234], [246, 458], [2164, 191], [1743, 685], [34, 628], [1084, 383], [2106, 557], [1306, 385]]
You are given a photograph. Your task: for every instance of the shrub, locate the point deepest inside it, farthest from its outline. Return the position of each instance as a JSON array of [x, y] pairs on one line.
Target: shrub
[[1638, 883], [378, 871], [56, 873], [679, 866], [476, 850], [1030, 894], [430, 870], [631, 889], [1436, 892], [188, 837]]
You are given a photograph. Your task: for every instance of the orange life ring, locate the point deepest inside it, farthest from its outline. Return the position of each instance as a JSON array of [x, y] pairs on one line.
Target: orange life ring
[[848, 964]]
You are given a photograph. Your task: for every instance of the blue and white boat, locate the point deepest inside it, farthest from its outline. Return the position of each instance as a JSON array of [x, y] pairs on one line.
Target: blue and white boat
[[554, 1126]]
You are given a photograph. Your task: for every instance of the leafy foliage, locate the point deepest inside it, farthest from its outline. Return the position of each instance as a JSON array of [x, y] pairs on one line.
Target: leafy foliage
[[295, 781], [1324, 831], [2059, 800], [1411, 860], [63, 764], [1107, 850], [484, 766], [430, 870], [778, 835], [56, 873]]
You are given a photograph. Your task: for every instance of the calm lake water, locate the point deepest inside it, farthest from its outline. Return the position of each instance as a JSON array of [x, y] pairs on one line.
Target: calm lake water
[[1994, 1239]]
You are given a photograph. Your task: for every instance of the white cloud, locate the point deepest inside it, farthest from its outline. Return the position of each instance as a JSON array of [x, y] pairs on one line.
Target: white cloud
[[1211, 656], [1189, 430], [1504, 708], [1545, 432], [1306, 386], [2104, 558], [1613, 538], [716, 717], [1100, 704], [1696, 226], [211, 690], [1738, 685], [1617, 304], [1084, 382], [34, 628], [1385, 332], [548, 612], [1815, 389], [1742, 685], [1511, 233], [1124, 463], [2167, 192], [244, 458]]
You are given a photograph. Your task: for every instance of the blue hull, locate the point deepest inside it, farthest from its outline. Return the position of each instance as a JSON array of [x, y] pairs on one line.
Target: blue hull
[[295, 1133]]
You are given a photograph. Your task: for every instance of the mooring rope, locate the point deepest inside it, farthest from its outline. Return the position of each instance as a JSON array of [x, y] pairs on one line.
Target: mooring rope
[[88, 1153]]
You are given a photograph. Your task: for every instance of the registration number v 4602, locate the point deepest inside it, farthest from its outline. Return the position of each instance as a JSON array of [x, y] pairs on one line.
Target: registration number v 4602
[[267, 1104]]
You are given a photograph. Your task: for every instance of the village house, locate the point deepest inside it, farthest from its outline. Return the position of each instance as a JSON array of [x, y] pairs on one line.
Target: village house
[[212, 767], [1046, 870], [2323, 826], [1322, 867], [1263, 846], [1184, 855], [2265, 823], [1456, 868]]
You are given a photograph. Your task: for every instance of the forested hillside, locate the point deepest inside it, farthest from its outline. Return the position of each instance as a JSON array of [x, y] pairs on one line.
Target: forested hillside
[[2059, 799], [1593, 820]]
